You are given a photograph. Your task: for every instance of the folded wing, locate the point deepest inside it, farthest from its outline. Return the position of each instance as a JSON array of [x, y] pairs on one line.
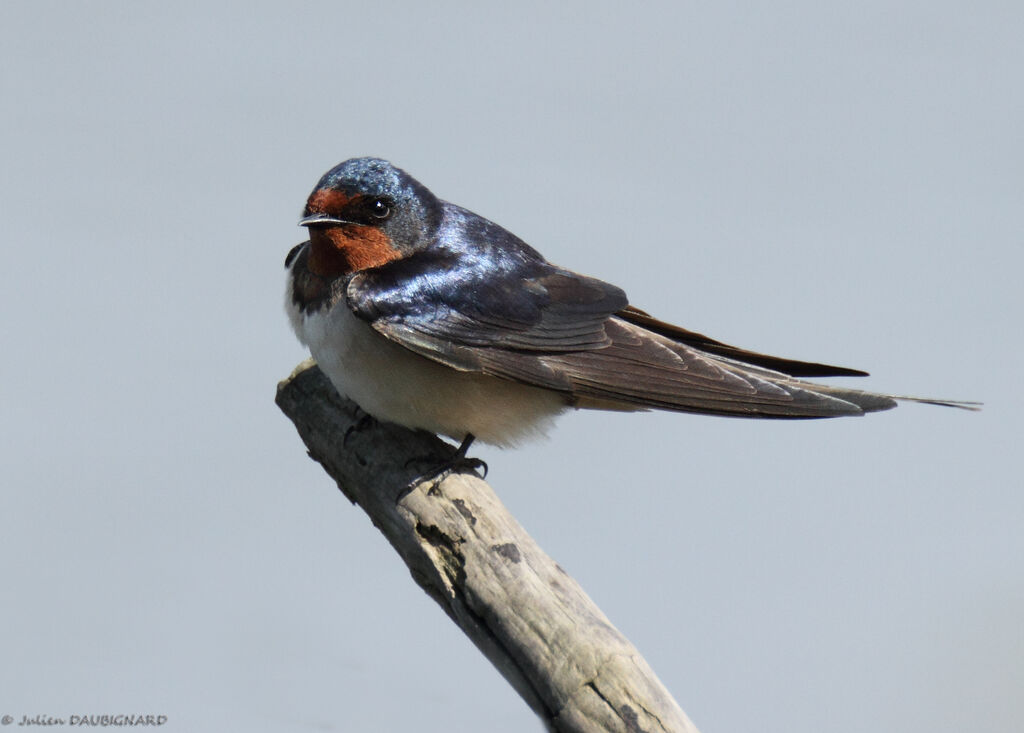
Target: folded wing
[[538, 324]]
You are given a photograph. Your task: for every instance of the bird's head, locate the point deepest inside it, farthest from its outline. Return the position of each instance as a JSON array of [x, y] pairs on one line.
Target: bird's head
[[364, 213]]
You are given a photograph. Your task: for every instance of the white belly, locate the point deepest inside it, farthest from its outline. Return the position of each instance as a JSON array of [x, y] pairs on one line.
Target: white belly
[[394, 384]]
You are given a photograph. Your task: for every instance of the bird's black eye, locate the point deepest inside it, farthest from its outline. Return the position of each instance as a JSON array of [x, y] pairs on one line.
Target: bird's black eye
[[380, 209]]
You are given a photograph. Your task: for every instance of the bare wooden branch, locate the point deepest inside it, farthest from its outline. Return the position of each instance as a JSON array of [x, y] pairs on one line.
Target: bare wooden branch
[[533, 621]]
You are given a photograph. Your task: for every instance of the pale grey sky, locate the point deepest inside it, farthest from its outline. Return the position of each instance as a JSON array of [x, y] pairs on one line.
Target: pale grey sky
[[815, 180]]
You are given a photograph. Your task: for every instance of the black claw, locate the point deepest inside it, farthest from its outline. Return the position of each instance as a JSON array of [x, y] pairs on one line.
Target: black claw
[[459, 463]]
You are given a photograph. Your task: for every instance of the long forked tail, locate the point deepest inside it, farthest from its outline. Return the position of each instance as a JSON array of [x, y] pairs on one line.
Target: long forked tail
[[811, 399], [844, 400], [959, 404]]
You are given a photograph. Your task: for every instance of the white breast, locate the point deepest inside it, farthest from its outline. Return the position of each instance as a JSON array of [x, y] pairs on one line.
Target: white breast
[[394, 384]]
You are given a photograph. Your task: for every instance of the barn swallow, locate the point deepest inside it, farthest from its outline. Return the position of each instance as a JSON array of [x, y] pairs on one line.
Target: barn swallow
[[430, 316]]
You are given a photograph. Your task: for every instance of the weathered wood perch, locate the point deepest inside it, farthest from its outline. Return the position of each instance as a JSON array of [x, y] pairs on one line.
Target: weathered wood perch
[[533, 621]]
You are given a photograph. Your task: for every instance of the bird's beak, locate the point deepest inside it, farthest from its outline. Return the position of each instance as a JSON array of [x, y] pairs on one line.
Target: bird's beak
[[322, 220]]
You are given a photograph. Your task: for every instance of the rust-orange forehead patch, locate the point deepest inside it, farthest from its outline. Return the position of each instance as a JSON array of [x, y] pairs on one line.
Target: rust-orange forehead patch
[[328, 201]]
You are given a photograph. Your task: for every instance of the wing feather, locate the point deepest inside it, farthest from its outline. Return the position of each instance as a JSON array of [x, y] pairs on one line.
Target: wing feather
[[534, 323]]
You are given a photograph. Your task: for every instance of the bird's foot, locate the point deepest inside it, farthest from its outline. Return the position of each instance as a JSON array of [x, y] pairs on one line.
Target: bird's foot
[[459, 463]]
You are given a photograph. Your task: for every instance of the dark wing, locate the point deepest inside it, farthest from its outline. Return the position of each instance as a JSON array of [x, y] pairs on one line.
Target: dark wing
[[509, 303], [517, 317], [691, 338]]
